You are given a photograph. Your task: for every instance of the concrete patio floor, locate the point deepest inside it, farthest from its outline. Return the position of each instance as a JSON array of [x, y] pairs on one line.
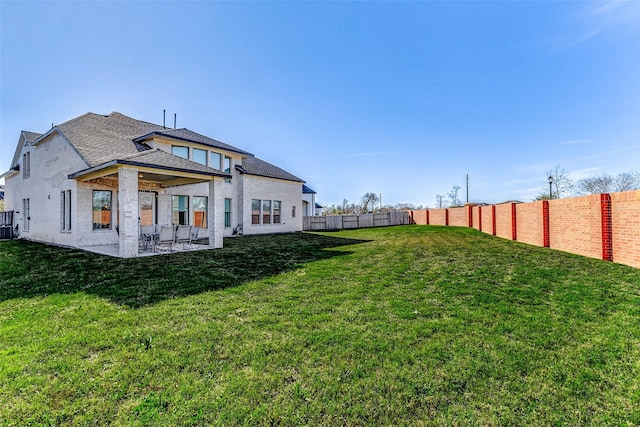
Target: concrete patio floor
[[113, 250]]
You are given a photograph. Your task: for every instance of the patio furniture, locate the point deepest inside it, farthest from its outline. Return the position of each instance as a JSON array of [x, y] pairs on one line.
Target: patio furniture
[[194, 233], [183, 236], [166, 238], [148, 237]]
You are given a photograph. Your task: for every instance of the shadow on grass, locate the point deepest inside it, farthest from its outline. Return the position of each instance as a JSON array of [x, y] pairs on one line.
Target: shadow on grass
[[32, 269]]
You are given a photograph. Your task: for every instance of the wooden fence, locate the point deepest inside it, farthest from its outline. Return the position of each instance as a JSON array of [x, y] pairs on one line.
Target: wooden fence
[[6, 225], [344, 222]]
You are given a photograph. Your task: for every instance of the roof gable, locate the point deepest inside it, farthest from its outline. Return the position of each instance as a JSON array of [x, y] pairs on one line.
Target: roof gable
[[99, 138]]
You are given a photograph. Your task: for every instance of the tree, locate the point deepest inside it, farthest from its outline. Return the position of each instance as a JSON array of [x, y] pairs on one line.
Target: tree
[[440, 201], [627, 181], [369, 200], [596, 184], [453, 196], [561, 184], [604, 183]]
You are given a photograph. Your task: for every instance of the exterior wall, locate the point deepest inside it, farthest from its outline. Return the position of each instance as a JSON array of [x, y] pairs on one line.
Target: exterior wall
[[310, 206], [476, 216], [288, 192], [51, 162], [625, 222], [603, 226], [529, 223], [487, 219], [504, 223], [575, 225], [419, 217], [458, 217], [438, 216]]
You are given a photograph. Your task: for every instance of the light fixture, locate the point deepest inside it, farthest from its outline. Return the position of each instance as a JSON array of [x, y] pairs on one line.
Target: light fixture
[[550, 188]]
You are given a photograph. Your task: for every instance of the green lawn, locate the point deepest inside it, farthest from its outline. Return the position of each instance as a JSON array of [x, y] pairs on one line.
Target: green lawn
[[413, 325]]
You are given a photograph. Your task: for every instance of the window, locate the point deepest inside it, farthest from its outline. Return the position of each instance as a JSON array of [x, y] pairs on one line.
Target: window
[[276, 211], [216, 160], [26, 165], [293, 211], [200, 156], [227, 166], [266, 211], [255, 211], [26, 214], [101, 209], [180, 210], [200, 211], [65, 210], [180, 151], [227, 213]]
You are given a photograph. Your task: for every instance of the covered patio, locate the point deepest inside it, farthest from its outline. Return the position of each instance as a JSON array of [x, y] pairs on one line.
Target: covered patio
[[159, 173]]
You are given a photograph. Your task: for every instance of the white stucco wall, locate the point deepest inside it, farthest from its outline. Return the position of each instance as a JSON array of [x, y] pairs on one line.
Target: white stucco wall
[[51, 162], [288, 192]]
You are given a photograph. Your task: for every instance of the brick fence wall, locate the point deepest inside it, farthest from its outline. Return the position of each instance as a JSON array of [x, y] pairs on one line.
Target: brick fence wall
[[604, 226]]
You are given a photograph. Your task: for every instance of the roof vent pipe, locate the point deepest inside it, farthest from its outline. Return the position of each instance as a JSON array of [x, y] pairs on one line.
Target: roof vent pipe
[[175, 117], [164, 115]]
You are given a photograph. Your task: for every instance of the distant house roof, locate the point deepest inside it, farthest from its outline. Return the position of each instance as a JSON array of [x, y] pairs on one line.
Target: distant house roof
[[191, 136], [319, 206], [258, 167], [307, 190]]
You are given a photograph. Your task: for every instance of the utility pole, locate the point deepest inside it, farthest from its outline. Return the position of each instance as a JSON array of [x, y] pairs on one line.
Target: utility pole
[[467, 188]]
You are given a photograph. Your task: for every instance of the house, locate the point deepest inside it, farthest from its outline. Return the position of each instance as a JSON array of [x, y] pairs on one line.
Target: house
[[309, 205], [94, 179]]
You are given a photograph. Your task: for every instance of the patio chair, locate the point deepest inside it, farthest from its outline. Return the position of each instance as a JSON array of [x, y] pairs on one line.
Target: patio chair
[[184, 236], [148, 237], [166, 239], [194, 233]]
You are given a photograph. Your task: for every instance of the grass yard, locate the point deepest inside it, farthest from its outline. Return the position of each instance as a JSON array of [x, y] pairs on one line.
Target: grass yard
[[412, 325]]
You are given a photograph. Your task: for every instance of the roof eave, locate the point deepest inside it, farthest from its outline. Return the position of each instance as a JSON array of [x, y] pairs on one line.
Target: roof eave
[[178, 138], [113, 163]]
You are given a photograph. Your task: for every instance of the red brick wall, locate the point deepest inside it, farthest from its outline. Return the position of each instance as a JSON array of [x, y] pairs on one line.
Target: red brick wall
[[529, 224], [475, 212], [487, 219], [625, 221], [604, 226], [437, 216], [503, 221], [575, 225], [459, 217], [419, 217]]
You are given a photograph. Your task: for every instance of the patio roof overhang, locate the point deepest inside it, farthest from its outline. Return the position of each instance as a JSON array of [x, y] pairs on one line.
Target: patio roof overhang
[[156, 167]]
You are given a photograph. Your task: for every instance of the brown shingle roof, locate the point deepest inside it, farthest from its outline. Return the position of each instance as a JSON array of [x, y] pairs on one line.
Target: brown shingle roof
[[256, 166], [191, 136]]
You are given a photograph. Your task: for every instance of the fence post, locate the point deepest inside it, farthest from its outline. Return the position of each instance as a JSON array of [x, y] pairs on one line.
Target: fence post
[[514, 231], [545, 224], [479, 218], [427, 215], [446, 216], [493, 220], [607, 231]]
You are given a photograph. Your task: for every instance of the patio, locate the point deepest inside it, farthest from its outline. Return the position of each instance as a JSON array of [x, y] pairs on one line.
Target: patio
[[114, 250]]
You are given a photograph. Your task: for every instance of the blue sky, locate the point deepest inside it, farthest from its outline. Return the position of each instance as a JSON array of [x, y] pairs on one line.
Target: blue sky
[[398, 98]]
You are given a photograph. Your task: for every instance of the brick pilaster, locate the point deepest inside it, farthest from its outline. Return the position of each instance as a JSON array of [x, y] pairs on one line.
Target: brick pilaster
[[427, 215], [493, 219], [480, 218], [545, 224], [514, 231], [446, 217], [607, 231]]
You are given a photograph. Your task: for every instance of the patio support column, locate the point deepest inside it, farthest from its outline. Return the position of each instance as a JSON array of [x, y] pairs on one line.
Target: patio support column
[[215, 214], [128, 212]]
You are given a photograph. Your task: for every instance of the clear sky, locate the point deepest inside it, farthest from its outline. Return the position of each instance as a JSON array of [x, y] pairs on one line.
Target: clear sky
[[399, 98]]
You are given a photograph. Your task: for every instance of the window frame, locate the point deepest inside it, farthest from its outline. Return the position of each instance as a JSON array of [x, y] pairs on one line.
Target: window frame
[[227, 213], [203, 223], [174, 147], [185, 216], [65, 210], [26, 165], [255, 218], [204, 152], [276, 218], [96, 226]]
